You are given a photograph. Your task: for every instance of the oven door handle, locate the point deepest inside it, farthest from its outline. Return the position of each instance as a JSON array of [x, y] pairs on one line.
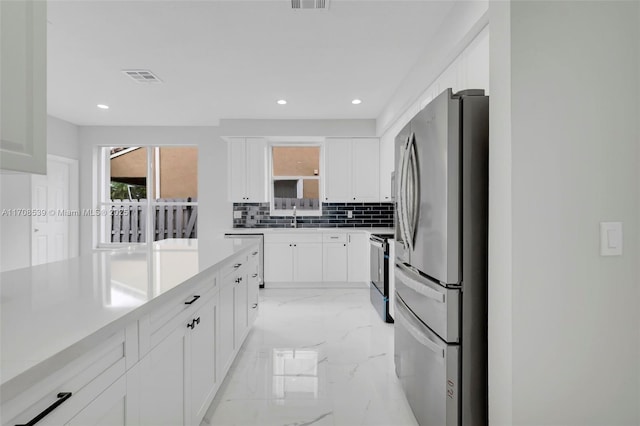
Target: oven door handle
[[376, 244]]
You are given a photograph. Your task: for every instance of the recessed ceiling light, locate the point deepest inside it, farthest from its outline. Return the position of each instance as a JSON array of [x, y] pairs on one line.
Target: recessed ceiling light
[[282, 102], [356, 101], [103, 106]]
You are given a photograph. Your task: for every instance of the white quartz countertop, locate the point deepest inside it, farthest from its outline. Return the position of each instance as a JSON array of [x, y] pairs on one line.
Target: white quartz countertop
[[62, 307], [306, 230]]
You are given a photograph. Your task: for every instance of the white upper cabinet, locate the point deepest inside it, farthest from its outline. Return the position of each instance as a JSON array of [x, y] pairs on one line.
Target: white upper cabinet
[[365, 184], [351, 170], [247, 170], [23, 79], [337, 165], [387, 166]]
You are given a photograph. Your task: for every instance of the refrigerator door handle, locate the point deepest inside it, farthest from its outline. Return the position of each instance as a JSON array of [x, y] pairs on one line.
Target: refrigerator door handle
[[416, 188], [405, 195], [418, 335], [418, 287], [402, 195]]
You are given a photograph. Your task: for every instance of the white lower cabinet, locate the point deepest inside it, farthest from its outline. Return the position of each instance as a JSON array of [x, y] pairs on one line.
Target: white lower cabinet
[[334, 257], [90, 390], [295, 257], [307, 262], [202, 356], [163, 369], [358, 256], [108, 409], [278, 261], [162, 379], [317, 257], [225, 333], [240, 312]]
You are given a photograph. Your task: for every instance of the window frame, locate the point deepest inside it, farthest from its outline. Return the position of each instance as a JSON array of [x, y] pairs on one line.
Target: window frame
[[271, 178], [102, 198]]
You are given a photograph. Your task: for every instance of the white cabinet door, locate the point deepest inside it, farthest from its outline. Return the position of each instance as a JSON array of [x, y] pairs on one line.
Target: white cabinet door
[[237, 170], [334, 259], [202, 355], [162, 378], [23, 102], [358, 255], [337, 165], [247, 170], [387, 165], [108, 409], [278, 262], [256, 170], [240, 312], [307, 262], [224, 341], [365, 169]]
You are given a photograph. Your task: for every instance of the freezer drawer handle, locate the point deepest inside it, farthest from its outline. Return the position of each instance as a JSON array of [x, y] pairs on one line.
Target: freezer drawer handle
[[62, 397], [419, 287], [418, 335]]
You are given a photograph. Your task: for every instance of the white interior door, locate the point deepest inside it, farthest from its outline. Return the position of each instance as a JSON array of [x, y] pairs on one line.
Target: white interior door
[[51, 208]]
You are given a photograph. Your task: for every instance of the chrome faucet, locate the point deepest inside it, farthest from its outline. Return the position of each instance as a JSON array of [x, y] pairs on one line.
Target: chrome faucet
[[294, 223]]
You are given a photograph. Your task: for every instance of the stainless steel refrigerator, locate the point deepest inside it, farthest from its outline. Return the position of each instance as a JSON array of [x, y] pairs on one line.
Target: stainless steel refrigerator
[[441, 259]]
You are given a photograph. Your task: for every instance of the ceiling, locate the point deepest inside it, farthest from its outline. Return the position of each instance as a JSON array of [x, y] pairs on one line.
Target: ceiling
[[231, 59]]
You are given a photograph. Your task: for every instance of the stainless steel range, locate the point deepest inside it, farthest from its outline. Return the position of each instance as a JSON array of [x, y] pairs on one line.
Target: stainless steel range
[[381, 291]]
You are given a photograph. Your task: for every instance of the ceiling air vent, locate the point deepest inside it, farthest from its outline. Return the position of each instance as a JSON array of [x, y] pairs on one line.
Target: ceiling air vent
[[142, 76], [310, 4]]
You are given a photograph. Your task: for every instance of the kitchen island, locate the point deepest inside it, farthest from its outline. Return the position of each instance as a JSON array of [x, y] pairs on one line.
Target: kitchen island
[[121, 331]]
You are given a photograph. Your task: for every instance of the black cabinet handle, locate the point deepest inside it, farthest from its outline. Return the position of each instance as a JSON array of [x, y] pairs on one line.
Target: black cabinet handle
[[237, 265], [191, 325], [197, 320], [254, 276], [196, 297], [62, 397], [254, 253], [255, 305]]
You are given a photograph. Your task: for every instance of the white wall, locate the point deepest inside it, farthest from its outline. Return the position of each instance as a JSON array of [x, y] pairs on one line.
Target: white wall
[[462, 25], [214, 211], [15, 193], [500, 218], [573, 148]]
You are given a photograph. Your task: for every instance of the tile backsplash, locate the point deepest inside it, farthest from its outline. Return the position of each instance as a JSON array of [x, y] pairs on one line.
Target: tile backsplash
[[334, 215]]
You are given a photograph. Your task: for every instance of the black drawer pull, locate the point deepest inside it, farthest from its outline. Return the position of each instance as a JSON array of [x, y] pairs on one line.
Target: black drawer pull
[[255, 305], [254, 253], [254, 276], [237, 265], [192, 324], [62, 397], [196, 297], [197, 320]]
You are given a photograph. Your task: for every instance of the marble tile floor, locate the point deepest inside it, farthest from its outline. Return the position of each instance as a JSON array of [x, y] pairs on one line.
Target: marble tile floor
[[314, 357]]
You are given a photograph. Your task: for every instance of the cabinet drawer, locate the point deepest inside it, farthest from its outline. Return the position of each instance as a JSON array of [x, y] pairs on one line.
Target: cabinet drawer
[[235, 265], [159, 323], [84, 378], [293, 238], [167, 312], [335, 237]]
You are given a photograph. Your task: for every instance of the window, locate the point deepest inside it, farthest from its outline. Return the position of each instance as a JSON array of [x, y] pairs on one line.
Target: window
[[148, 194], [295, 178]]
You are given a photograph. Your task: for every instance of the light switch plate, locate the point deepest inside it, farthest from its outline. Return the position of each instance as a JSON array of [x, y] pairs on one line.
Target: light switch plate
[[610, 238]]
